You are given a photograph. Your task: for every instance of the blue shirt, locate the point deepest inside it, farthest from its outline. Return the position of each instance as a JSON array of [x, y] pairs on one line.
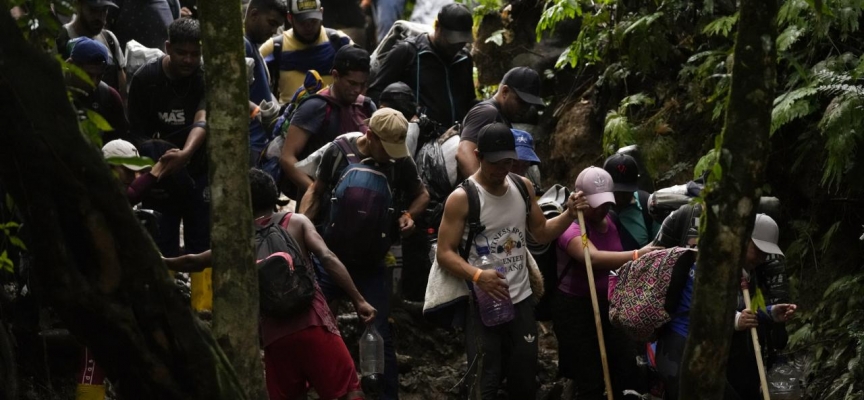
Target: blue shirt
[[259, 90], [681, 318]]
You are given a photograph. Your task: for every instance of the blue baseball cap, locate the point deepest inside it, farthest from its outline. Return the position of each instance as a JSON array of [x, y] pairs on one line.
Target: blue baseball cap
[[88, 51], [525, 146]]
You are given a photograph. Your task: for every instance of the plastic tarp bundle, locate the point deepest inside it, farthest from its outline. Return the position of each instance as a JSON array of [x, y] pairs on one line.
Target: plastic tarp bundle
[[436, 161], [137, 55]]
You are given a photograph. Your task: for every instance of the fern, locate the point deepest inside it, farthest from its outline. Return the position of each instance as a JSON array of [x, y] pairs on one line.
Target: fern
[[617, 133], [843, 127], [789, 36], [791, 106], [554, 12], [721, 26], [633, 100]]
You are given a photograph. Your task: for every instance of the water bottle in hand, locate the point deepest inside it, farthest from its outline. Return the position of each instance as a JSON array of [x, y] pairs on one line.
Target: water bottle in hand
[[492, 312], [371, 352]]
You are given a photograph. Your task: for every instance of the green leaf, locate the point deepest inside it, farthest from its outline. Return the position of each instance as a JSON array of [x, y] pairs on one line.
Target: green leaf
[[635, 100], [496, 37], [134, 161], [17, 242], [617, 133], [10, 224], [789, 36], [99, 121], [705, 163], [721, 26], [75, 70], [5, 263]]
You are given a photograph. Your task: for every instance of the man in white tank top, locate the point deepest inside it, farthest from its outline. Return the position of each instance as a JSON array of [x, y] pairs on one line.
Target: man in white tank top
[[503, 213]]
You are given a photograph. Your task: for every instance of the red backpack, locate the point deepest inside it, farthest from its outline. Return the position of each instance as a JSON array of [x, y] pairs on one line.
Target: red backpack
[[648, 291]]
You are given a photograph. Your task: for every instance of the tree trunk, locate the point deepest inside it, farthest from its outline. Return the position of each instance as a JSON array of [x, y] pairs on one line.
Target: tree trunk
[[731, 203], [235, 277], [102, 273]]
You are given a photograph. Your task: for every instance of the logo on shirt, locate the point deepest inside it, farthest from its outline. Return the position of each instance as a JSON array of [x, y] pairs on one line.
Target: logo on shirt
[[529, 338], [173, 117], [505, 244]]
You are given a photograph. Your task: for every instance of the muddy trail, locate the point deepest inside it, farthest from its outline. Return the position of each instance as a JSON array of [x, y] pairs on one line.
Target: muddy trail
[[432, 361]]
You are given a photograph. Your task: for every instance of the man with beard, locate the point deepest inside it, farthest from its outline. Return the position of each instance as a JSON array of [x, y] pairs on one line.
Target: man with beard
[[518, 91], [306, 46], [89, 21], [166, 101], [437, 66]]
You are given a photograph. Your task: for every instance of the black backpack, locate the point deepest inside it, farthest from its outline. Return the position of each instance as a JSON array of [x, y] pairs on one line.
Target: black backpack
[[286, 284]]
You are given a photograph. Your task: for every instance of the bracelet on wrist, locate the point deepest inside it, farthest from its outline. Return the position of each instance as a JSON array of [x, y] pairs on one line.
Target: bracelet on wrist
[[477, 275]]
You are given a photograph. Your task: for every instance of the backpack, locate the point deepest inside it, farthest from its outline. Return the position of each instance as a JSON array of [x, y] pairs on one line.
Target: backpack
[[358, 229], [648, 290], [662, 202], [268, 161], [552, 203], [628, 242], [432, 162], [400, 31], [274, 65], [286, 284]]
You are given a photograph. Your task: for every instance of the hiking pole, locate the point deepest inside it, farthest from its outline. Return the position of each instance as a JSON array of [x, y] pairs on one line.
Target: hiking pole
[[597, 322], [755, 336]]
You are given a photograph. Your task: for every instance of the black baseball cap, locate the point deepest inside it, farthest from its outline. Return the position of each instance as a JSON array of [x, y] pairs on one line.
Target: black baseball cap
[[496, 142], [399, 96], [624, 171], [526, 83], [351, 58], [456, 23]]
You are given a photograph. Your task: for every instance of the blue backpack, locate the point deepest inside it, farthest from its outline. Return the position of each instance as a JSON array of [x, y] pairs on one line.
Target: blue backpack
[[359, 226]]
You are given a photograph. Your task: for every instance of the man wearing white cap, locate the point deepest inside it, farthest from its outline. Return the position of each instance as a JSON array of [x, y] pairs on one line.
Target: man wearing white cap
[[741, 371], [134, 181]]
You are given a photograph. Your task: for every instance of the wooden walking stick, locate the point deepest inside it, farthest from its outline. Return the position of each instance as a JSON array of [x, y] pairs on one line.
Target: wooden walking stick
[[755, 336], [597, 322]]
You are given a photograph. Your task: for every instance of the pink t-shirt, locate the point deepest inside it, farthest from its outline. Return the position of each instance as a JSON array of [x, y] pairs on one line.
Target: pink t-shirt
[[575, 282]]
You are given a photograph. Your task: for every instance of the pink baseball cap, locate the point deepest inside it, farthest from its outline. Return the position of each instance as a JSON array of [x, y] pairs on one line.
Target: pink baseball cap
[[597, 186]]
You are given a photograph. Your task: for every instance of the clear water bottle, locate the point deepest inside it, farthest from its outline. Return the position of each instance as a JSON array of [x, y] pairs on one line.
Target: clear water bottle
[[371, 352], [492, 312]]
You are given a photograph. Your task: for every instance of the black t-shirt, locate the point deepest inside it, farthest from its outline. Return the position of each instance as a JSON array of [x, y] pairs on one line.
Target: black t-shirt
[[402, 174], [163, 108], [484, 113]]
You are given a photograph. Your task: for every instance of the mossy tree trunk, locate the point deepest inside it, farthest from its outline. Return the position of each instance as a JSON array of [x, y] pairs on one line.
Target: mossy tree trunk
[[100, 272], [731, 202], [235, 277]]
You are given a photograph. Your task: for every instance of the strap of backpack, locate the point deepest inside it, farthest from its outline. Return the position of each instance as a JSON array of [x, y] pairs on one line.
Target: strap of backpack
[[62, 42], [276, 65], [349, 150], [523, 190], [642, 200], [473, 221], [276, 218], [111, 47]]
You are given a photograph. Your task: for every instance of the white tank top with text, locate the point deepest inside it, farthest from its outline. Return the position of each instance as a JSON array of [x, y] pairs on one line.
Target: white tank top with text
[[504, 218]]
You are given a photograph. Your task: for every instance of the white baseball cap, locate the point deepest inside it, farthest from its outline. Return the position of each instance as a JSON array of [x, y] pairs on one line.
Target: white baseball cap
[[122, 149], [766, 234]]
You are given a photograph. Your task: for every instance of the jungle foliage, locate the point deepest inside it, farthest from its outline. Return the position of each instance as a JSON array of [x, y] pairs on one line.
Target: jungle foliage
[[660, 73]]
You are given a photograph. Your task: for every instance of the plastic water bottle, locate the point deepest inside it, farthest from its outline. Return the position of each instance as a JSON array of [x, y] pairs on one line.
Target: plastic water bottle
[[492, 312], [371, 352]]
